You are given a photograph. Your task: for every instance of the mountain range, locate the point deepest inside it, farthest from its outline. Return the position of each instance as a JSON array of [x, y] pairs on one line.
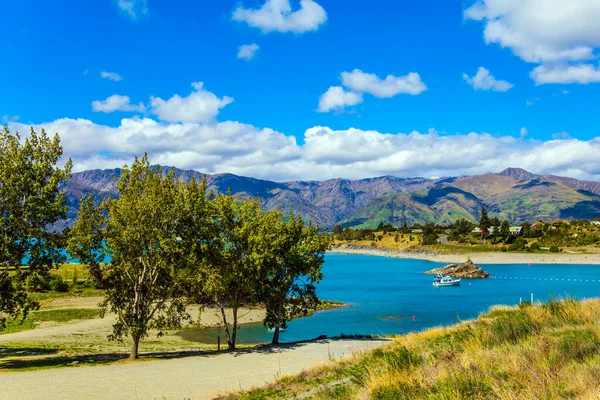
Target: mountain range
[[513, 194]]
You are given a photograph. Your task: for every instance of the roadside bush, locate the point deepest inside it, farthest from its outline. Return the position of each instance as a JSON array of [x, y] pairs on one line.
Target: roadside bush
[[535, 246], [517, 245], [58, 284], [429, 240], [554, 249], [503, 249], [36, 282]]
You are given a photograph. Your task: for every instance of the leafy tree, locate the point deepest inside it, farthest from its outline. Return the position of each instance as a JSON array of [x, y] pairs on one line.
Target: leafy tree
[[505, 230], [139, 233], [484, 221], [31, 200], [337, 229], [234, 268], [495, 221], [292, 256]]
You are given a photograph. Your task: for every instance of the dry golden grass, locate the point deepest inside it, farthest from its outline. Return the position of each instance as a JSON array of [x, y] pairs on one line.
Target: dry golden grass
[[546, 351]]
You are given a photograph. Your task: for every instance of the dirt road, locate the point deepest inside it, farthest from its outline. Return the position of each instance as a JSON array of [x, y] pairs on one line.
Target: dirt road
[[201, 377]]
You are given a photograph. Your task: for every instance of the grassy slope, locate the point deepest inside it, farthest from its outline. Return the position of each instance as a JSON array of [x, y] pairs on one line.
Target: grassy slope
[[547, 351]]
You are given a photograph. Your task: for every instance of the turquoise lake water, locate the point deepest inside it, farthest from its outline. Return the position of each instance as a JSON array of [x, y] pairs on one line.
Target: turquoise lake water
[[386, 293]]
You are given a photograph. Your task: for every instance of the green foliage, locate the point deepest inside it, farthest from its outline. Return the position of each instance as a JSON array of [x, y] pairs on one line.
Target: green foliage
[[234, 268], [504, 230], [535, 246], [554, 249], [429, 240], [139, 231], [31, 199], [484, 221], [58, 284], [518, 245], [291, 256]]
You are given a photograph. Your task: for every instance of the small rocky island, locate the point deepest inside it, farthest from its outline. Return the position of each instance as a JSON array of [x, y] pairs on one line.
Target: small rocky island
[[466, 270]]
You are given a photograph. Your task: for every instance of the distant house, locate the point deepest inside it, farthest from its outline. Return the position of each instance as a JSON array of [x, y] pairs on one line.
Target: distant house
[[516, 230], [417, 231], [494, 230], [478, 232], [597, 223], [537, 226]]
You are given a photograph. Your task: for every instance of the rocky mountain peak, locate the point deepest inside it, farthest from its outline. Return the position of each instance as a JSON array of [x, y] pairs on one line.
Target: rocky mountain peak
[[518, 173]]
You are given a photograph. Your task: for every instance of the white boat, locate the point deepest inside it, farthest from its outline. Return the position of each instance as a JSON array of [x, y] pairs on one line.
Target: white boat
[[441, 280]]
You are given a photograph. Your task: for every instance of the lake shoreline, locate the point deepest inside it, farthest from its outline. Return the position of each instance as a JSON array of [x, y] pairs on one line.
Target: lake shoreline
[[478, 258]]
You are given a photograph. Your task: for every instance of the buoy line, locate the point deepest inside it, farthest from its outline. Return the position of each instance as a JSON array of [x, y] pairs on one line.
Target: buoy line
[[526, 278]]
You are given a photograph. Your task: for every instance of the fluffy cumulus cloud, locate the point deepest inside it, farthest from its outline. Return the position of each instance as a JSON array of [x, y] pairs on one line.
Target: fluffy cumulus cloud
[[549, 32], [357, 83], [391, 86], [134, 9], [325, 153], [117, 103], [113, 76], [278, 16], [581, 74], [201, 106], [247, 51], [337, 98], [483, 80]]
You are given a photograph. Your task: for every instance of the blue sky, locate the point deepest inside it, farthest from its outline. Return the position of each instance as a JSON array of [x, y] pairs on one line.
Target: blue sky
[[260, 114]]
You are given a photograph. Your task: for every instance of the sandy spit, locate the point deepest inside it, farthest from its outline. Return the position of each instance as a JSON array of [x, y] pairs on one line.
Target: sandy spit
[[479, 258]]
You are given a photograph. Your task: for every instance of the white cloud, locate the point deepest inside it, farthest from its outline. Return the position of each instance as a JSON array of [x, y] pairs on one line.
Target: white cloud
[[523, 132], [391, 86], [117, 103], [113, 76], [247, 51], [359, 83], [200, 106], [336, 98], [483, 80], [561, 136], [9, 118], [565, 74], [133, 8], [325, 153], [541, 30], [278, 15]]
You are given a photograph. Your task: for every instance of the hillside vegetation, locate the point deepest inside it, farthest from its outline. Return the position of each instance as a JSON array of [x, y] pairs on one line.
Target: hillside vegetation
[[542, 351], [512, 194]]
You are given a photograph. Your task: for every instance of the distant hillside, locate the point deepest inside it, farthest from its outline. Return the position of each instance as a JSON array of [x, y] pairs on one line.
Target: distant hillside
[[513, 193]]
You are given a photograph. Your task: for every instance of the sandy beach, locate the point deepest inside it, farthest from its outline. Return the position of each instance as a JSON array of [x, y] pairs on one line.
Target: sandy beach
[[478, 258]]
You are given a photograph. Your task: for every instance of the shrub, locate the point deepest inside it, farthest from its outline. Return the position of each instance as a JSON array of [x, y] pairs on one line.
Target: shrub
[[429, 240], [58, 284], [503, 249], [517, 245], [535, 246], [36, 282], [554, 249]]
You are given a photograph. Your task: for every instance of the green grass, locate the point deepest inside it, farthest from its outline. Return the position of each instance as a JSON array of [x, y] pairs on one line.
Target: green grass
[[542, 351], [59, 316]]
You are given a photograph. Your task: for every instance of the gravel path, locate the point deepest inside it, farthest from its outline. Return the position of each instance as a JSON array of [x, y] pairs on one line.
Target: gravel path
[[201, 377]]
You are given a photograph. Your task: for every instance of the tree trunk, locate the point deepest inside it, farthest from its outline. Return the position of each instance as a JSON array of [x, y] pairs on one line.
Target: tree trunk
[[135, 345], [234, 329], [276, 335], [277, 327]]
